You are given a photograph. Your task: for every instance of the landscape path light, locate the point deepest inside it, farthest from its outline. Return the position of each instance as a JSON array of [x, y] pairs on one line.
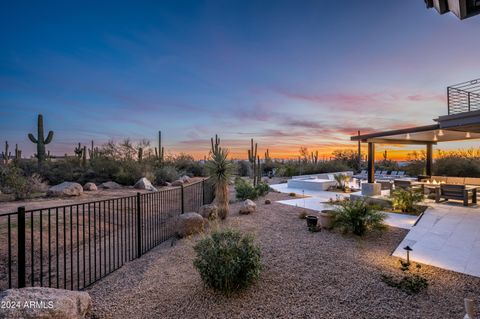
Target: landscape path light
[[408, 249]]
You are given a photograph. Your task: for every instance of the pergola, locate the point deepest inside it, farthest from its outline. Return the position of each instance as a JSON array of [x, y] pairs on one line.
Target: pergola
[[454, 127]]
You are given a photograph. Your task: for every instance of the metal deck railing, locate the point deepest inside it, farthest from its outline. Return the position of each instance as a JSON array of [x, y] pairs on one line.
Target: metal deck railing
[[464, 97]]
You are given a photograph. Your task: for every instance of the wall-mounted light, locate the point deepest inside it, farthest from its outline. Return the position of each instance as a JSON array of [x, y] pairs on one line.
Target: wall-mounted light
[[408, 136], [435, 138], [468, 135], [440, 133]]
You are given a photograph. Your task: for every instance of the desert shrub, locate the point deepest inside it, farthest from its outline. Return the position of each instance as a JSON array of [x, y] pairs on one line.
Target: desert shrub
[[243, 168], [12, 181], [227, 260], [358, 217], [36, 184], [409, 284], [245, 190], [457, 166], [103, 169], [406, 200], [262, 189], [303, 214], [129, 173], [165, 174], [59, 171]]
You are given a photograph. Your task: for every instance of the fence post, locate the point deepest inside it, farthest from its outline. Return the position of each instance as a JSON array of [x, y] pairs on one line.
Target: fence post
[[183, 201], [203, 191], [21, 246], [139, 227]]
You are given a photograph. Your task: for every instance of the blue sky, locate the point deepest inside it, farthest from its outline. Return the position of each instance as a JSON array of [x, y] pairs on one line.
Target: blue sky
[[287, 73]]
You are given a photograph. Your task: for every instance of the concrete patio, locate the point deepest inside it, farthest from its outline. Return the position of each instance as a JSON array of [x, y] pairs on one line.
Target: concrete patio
[[446, 236]]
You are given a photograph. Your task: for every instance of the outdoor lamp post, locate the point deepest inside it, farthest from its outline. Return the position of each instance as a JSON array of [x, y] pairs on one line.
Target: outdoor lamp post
[[408, 249]]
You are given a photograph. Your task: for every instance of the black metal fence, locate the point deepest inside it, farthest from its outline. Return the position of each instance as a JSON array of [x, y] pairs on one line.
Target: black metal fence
[[73, 246]]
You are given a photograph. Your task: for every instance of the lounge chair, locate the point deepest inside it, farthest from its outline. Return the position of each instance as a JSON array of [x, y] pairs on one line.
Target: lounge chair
[[400, 173], [456, 192], [362, 174]]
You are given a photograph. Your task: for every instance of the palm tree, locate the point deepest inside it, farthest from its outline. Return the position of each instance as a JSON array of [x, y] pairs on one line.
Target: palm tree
[[220, 170]]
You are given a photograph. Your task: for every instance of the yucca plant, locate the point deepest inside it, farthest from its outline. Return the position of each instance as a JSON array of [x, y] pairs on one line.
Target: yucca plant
[[342, 180], [220, 169], [358, 217]]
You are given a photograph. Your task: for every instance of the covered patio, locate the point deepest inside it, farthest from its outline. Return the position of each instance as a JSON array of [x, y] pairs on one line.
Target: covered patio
[[449, 128]]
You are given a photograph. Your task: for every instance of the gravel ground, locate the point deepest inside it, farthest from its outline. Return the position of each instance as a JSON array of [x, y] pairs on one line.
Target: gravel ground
[[305, 275]]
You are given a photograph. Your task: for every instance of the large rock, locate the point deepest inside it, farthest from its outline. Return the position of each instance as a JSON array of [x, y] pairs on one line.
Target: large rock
[[176, 183], [248, 207], [185, 179], [111, 185], [90, 187], [189, 224], [65, 189], [36, 302], [209, 211], [144, 183]]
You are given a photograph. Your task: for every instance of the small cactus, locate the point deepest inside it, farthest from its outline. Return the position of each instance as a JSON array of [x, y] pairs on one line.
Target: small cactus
[[40, 140]]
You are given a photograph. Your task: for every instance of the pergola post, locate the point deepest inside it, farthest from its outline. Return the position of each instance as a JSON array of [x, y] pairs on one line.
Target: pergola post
[[429, 159], [371, 162]]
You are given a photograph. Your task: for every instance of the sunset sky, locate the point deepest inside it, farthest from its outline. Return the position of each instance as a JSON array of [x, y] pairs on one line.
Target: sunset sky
[[287, 73]]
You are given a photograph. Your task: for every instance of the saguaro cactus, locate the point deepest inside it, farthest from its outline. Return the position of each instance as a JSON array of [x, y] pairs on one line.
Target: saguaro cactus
[[216, 145], [40, 140], [314, 157], [140, 154], [159, 152], [18, 153], [84, 156], [6, 154], [252, 158], [78, 151], [93, 152]]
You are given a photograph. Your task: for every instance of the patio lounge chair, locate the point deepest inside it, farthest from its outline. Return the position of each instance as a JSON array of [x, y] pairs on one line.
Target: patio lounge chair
[[456, 192], [400, 173], [362, 174]]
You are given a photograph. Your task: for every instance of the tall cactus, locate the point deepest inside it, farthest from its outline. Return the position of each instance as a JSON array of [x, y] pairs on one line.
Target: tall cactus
[[93, 152], [314, 157], [215, 146], [6, 154], [140, 154], [18, 154], [40, 140], [252, 158], [259, 170], [159, 152], [78, 151], [84, 156]]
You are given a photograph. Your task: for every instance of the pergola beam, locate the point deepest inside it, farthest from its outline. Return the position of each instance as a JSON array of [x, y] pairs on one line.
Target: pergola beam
[[392, 141]]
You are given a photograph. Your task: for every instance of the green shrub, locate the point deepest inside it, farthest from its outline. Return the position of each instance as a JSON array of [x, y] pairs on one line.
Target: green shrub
[[165, 174], [243, 168], [358, 217], [406, 200], [262, 189], [12, 181], [245, 190], [409, 284], [227, 260]]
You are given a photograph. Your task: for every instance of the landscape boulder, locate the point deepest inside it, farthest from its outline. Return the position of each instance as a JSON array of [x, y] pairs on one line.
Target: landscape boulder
[[209, 211], [185, 179], [176, 183], [111, 185], [248, 206], [90, 187], [65, 189], [189, 224], [39, 302], [144, 183]]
